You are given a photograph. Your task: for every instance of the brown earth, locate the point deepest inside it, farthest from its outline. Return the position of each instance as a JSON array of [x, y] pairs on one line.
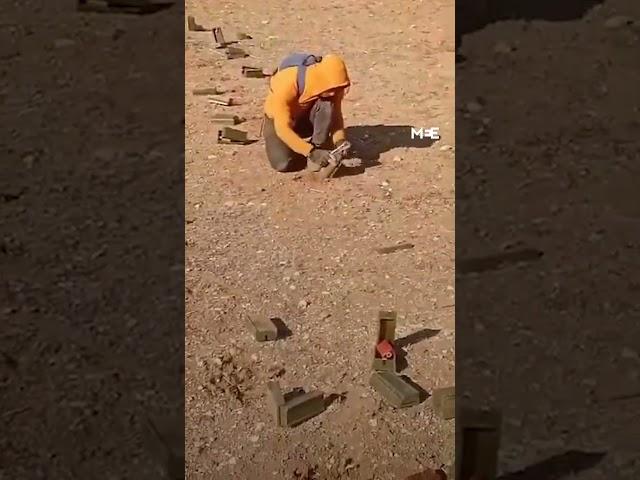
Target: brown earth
[[549, 161], [262, 244]]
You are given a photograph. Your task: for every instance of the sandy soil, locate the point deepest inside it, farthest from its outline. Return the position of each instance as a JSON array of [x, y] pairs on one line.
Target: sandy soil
[[547, 158], [91, 145], [264, 244]]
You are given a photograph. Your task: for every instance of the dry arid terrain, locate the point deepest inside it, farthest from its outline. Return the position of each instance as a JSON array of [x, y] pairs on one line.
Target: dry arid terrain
[[265, 244], [546, 157]]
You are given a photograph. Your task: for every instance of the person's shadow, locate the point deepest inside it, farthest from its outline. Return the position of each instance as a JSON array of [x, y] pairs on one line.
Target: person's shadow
[[369, 142]]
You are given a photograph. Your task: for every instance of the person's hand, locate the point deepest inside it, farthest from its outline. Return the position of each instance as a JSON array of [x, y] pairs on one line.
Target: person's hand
[[320, 157]]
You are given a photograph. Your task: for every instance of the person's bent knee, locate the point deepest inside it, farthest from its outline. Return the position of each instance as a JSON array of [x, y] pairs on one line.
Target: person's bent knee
[[281, 167]]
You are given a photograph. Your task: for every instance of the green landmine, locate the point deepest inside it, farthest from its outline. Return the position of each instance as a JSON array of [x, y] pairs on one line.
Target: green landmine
[[479, 442], [394, 389], [296, 407], [386, 331], [264, 330], [232, 136], [227, 119], [302, 408], [276, 398], [444, 402]]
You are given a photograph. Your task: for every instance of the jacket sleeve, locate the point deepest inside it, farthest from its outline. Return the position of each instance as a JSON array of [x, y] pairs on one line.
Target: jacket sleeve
[[338, 121], [283, 124]]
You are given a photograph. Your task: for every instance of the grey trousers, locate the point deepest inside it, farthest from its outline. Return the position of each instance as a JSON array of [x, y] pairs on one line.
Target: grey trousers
[[316, 125]]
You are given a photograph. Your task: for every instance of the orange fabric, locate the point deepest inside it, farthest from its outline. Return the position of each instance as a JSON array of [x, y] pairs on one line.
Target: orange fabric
[[284, 106]]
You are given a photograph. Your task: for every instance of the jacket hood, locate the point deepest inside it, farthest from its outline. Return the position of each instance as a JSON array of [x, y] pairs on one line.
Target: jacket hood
[[330, 73]]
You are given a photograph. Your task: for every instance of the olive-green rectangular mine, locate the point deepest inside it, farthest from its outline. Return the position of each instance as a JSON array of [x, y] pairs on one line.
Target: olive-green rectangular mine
[[225, 102], [479, 455], [386, 331], [252, 72], [479, 442], [264, 330], [276, 399], [301, 408], [384, 365], [226, 119], [207, 91], [444, 402], [231, 135], [234, 52], [394, 389]]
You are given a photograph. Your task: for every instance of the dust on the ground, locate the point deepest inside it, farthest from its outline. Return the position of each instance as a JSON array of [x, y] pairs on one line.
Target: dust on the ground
[[261, 244], [547, 159]]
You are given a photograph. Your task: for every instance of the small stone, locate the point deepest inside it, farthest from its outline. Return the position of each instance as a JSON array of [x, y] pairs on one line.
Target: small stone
[[373, 422], [63, 43], [28, 161], [303, 304], [618, 21], [474, 107], [265, 22], [254, 438], [397, 158], [446, 148], [385, 184], [502, 47], [254, 357], [229, 204], [233, 461]]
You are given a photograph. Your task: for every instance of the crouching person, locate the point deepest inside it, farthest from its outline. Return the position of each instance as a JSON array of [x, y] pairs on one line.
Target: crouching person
[[303, 112]]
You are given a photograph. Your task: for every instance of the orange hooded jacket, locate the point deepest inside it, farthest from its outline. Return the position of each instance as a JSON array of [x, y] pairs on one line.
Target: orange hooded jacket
[[284, 106]]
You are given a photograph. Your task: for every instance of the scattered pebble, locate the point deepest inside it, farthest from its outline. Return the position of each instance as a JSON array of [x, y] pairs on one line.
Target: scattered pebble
[[474, 107], [64, 43], [28, 161], [502, 47], [303, 304], [618, 21]]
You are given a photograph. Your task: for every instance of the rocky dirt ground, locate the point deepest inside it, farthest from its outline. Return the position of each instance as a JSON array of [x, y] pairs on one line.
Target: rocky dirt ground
[[91, 145], [546, 158], [262, 244]]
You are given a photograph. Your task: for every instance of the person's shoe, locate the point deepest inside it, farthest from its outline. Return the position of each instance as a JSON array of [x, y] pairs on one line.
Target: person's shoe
[[313, 167]]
